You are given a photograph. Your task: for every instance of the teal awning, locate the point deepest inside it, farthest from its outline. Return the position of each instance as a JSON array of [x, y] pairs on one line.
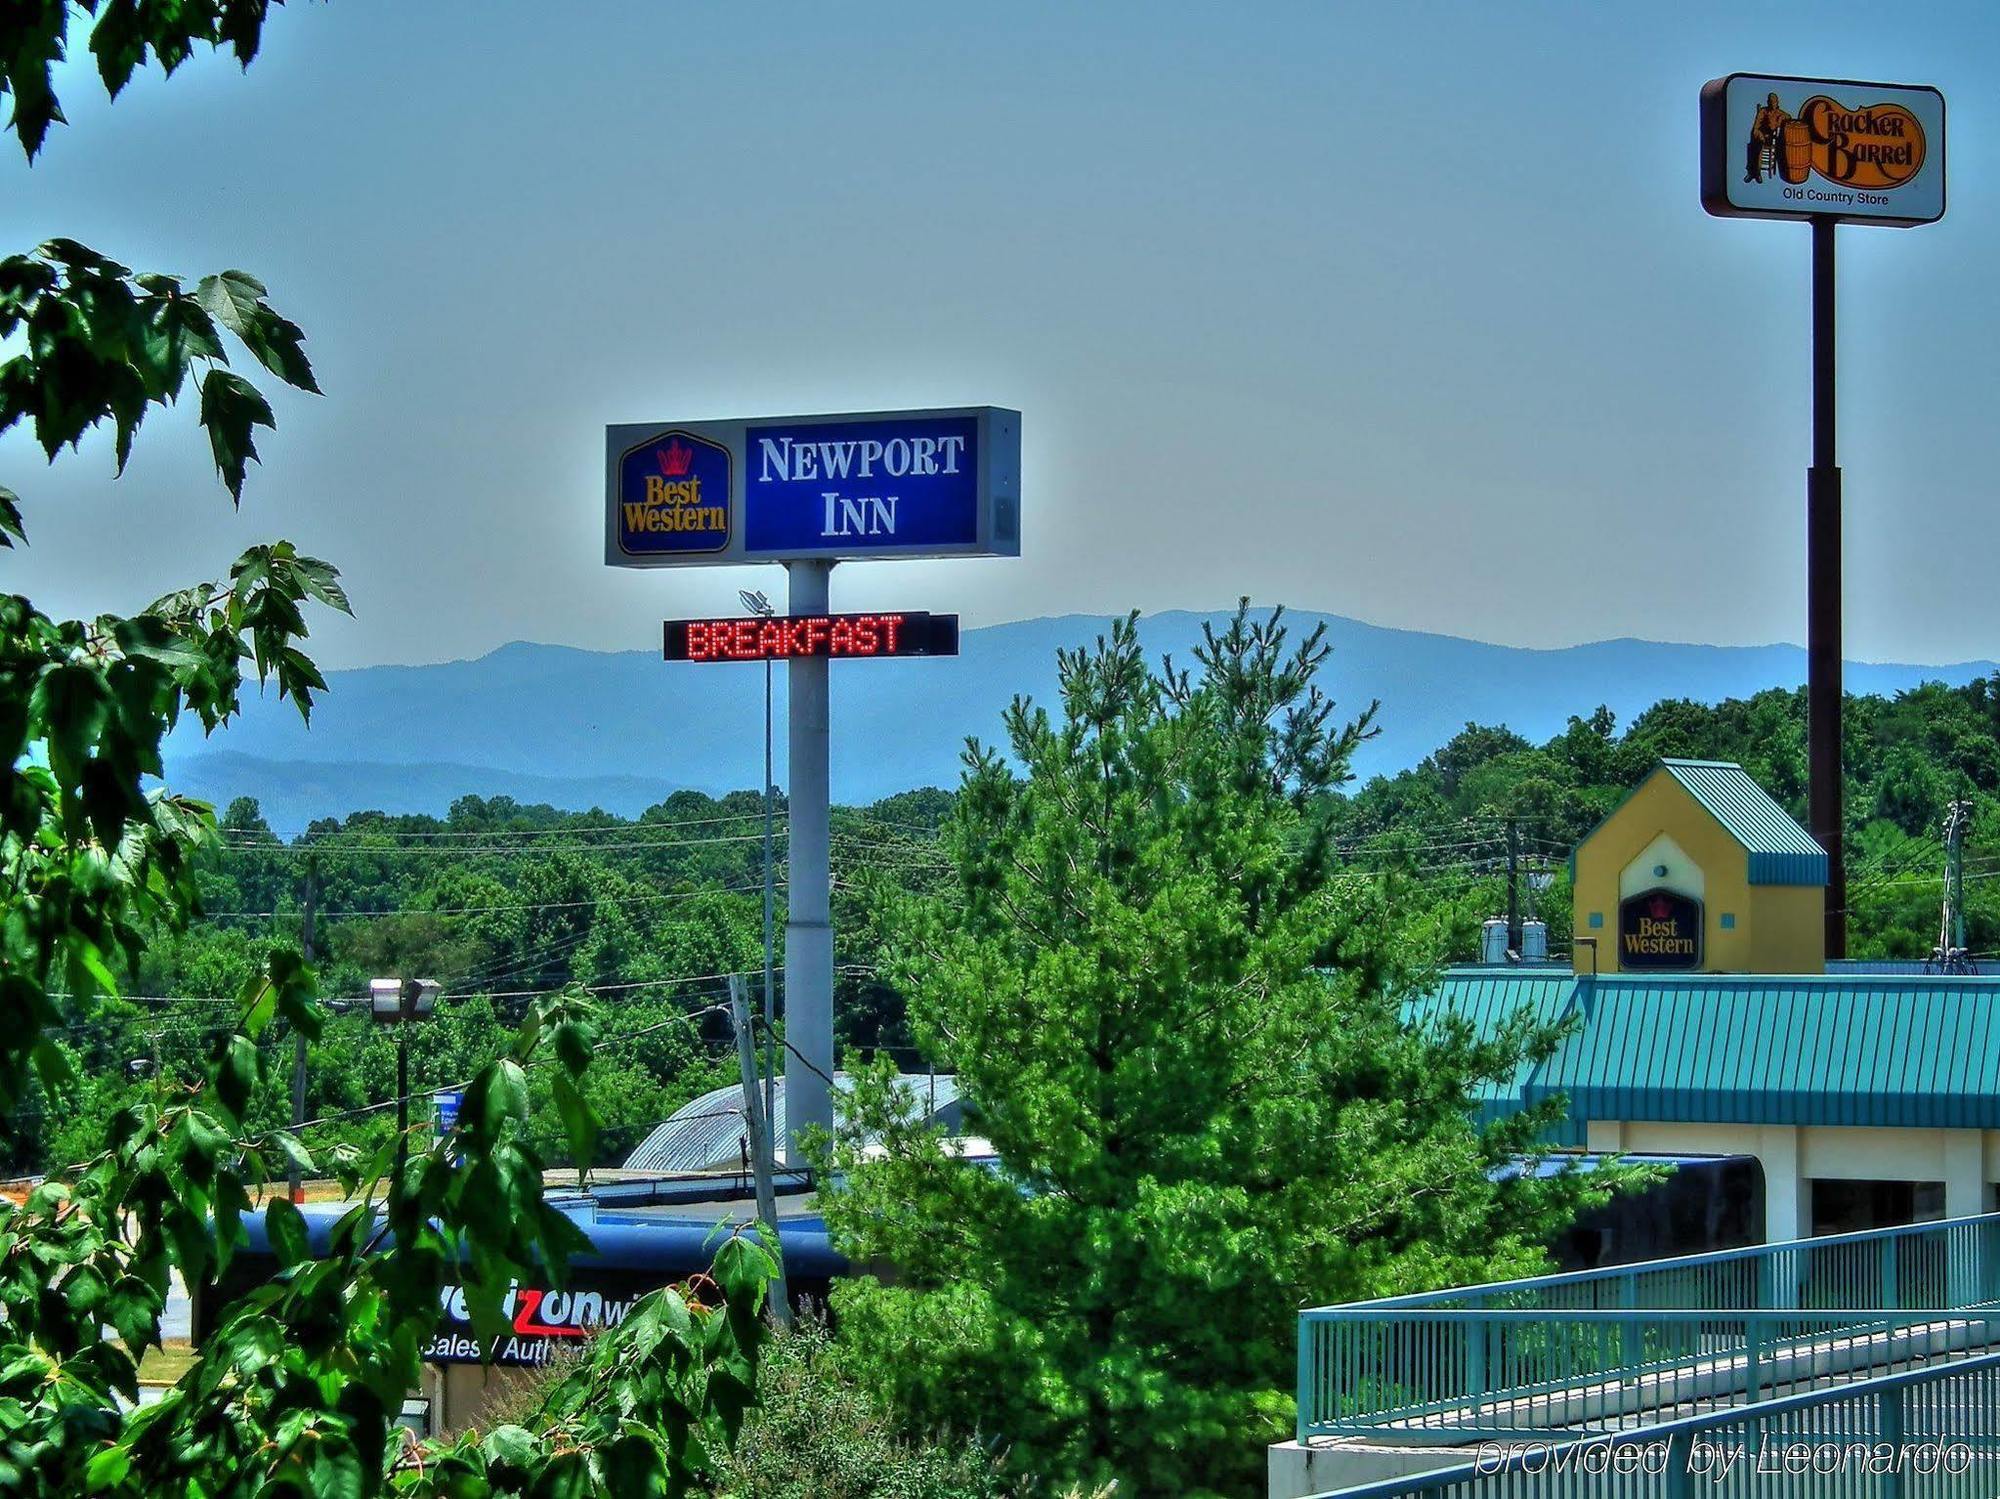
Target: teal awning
[[1910, 1051]]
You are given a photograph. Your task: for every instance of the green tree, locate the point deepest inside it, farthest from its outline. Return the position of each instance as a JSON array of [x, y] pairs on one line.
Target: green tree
[[1182, 1037], [295, 1391]]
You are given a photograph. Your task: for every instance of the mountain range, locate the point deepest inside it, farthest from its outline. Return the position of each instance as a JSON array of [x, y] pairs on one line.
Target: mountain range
[[622, 730]]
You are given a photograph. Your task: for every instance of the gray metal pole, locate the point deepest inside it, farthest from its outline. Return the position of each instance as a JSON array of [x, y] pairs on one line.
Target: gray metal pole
[[760, 1144], [808, 924], [298, 1190], [770, 938]]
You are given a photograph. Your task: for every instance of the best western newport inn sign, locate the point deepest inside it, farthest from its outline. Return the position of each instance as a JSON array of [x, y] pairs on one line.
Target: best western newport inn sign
[[939, 483]]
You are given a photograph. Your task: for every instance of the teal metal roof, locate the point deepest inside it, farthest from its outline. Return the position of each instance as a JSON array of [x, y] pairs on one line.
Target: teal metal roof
[[1781, 852], [1909, 1050], [1485, 999], [1915, 1051]]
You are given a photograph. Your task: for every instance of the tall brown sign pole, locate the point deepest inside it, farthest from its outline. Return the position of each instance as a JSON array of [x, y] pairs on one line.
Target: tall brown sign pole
[[1830, 151], [1826, 795]]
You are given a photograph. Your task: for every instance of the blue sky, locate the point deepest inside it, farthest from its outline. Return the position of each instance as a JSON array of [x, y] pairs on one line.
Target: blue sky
[[1405, 312]]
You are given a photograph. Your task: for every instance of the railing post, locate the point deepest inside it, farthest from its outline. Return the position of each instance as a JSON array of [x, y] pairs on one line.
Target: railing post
[[1475, 1358], [1753, 1361], [1629, 1330], [1680, 1466], [1889, 1422], [1305, 1373], [1890, 1297]]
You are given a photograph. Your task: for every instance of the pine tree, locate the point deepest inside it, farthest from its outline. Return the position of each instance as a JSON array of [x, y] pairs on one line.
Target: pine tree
[[1179, 1027]]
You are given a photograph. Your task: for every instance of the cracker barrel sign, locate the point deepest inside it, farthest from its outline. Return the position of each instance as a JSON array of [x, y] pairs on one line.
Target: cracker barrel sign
[[1778, 148], [1659, 929]]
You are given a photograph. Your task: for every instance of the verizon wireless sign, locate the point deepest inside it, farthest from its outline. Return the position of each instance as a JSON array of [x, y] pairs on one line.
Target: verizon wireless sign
[[540, 1321]]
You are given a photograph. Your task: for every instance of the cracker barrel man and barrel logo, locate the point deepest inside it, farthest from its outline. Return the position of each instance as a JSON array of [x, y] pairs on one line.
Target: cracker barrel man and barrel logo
[[1659, 929], [1871, 146]]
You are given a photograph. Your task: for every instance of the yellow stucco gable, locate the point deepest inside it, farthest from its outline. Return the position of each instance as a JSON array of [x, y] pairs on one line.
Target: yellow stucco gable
[[1668, 864]]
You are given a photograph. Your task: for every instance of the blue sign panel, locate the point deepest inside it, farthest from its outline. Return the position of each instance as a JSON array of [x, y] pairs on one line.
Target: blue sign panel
[[941, 482], [672, 496], [448, 1104], [889, 484]]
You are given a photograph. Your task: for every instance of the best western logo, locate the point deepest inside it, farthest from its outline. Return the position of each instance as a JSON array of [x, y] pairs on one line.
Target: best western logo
[[1659, 929], [673, 495]]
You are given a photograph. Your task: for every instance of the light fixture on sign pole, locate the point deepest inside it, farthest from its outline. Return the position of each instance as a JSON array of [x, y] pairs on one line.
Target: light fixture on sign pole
[[397, 1002], [759, 605]]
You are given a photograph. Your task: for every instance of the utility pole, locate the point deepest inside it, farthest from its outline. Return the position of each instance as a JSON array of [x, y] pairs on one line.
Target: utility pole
[[770, 930], [1950, 955], [299, 1039], [1513, 886], [760, 1144], [759, 605]]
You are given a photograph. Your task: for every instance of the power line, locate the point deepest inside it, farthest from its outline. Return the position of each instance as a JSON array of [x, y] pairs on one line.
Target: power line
[[599, 1045], [367, 851], [321, 840], [546, 905]]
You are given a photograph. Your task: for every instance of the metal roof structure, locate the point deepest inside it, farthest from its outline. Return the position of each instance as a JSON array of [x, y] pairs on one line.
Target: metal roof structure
[[1905, 1050], [1485, 998], [706, 1133], [1781, 852]]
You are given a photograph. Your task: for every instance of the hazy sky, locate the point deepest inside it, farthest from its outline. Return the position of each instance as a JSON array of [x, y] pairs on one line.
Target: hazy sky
[[1408, 312]]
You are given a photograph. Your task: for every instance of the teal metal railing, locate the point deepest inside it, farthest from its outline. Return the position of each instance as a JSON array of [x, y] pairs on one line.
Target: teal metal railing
[[1603, 1350], [1931, 1433]]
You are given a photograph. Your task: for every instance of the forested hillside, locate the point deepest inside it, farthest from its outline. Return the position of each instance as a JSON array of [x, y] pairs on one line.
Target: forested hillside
[[501, 901]]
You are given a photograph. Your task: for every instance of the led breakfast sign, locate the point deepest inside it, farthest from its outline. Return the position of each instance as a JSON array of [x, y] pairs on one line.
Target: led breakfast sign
[[1775, 147], [832, 637], [940, 483]]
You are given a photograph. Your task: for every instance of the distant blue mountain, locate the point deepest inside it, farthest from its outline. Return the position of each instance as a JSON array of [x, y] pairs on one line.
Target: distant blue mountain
[[620, 730], [294, 792]]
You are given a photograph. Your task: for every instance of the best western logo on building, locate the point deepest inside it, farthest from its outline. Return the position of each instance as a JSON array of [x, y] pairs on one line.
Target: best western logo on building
[[1659, 929], [943, 483], [1778, 147], [672, 496]]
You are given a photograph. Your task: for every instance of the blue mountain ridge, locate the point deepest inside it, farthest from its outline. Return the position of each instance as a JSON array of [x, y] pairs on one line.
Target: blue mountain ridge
[[621, 730]]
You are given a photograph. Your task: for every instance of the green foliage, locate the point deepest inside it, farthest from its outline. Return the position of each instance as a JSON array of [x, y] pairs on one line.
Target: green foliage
[[295, 1390], [100, 343], [1906, 759], [297, 1387], [92, 861], [1181, 1031], [35, 36], [820, 1433]]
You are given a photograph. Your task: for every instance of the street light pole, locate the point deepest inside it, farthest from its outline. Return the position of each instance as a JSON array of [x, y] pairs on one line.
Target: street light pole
[[402, 1100], [397, 1002], [761, 606]]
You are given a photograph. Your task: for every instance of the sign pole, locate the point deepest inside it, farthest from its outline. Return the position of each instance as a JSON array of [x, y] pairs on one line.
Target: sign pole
[[760, 1146], [808, 921], [1830, 151], [1823, 665]]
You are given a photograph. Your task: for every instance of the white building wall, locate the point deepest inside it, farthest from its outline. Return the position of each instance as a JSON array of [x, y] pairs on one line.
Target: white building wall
[[1966, 1161]]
